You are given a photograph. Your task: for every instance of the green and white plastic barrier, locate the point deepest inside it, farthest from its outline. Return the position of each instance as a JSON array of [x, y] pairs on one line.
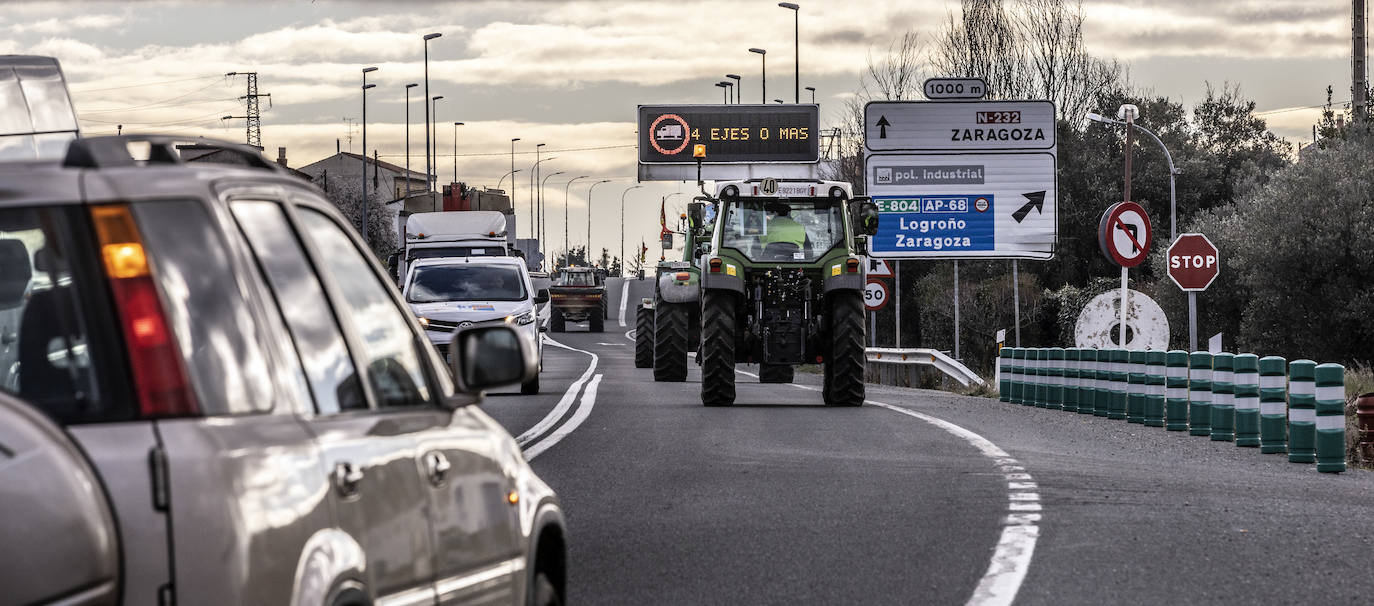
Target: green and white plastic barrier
[[1223, 403], [1273, 405], [1004, 377], [1071, 356], [1247, 400], [1154, 388], [1199, 393], [1135, 386], [1330, 421], [1055, 401], [1120, 370], [1087, 381], [1302, 411], [1176, 390]]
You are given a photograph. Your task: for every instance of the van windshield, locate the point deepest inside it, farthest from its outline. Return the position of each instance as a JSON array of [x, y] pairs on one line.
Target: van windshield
[[468, 282]]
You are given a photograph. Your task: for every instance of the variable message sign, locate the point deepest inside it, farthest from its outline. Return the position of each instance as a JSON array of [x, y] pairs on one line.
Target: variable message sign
[[732, 134]]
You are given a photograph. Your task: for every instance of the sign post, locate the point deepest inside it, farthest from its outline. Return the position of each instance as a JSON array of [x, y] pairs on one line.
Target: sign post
[[1193, 265], [1124, 236]]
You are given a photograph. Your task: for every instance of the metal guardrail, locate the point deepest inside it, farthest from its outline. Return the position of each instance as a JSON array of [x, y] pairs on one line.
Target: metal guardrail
[[925, 357]]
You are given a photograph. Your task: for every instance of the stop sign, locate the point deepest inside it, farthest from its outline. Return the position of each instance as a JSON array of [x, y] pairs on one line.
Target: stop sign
[[1193, 262]]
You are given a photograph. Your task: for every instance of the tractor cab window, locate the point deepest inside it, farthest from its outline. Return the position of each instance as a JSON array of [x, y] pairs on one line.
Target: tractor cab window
[[576, 278], [782, 229]]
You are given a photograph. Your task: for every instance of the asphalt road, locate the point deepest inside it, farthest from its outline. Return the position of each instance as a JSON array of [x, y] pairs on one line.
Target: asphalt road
[[781, 500]]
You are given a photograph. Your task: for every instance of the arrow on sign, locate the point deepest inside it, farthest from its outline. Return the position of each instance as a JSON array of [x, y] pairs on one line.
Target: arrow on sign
[[1036, 200], [882, 127]]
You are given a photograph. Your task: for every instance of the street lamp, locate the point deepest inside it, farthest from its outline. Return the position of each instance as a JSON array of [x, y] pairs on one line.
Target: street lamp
[[364, 189], [509, 174], [534, 174], [566, 187], [622, 228], [434, 113], [589, 216], [1173, 207], [455, 150], [724, 91], [739, 86], [763, 58], [429, 186], [796, 47], [813, 93], [542, 182], [408, 87], [512, 180]]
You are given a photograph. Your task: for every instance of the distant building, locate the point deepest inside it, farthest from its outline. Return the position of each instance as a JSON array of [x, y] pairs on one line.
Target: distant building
[[196, 152], [382, 175]]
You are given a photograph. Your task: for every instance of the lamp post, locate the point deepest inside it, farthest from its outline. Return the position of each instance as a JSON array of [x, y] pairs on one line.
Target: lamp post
[[813, 93], [455, 150], [739, 86], [566, 187], [508, 174], [724, 91], [763, 63], [429, 185], [589, 216], [542, 182], [534, 174], [512, 180], [622, 228], [408, 87], [364, 189], [796, 48], [434, 114]]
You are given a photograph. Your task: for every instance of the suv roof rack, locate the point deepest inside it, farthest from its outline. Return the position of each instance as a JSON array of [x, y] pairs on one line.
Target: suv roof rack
[[113, 151]]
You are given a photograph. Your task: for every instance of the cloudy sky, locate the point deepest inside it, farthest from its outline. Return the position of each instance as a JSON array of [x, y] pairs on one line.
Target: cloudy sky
[[569, 74]]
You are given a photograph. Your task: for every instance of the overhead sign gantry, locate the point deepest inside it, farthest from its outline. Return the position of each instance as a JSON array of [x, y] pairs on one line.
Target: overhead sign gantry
[[742, 141]]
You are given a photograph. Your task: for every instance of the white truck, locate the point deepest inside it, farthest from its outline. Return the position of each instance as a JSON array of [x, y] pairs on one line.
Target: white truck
[[457, 233]]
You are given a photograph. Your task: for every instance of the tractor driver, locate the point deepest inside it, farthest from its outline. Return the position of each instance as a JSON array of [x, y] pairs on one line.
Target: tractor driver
[[782, 228]]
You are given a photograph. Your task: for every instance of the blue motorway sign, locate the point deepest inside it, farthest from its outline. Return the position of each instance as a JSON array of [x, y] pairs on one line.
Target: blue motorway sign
[[943, 223]]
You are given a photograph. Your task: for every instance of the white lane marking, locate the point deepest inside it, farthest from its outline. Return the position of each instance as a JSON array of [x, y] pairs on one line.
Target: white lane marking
[[1012, 557], [563, 404], [584, 409], [611, 344], [624, 296], [630, 334]]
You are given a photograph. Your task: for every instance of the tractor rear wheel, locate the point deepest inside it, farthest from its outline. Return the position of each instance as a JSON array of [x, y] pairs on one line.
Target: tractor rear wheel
[[644, 338], [844, 369], [670, 342], [717, 348]]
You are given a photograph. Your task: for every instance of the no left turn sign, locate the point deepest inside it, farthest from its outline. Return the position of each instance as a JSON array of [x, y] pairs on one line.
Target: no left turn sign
[[1124, 234]]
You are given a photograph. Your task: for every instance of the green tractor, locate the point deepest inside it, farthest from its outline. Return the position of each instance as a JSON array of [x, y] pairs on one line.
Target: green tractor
[[670, 324], [781, 284]]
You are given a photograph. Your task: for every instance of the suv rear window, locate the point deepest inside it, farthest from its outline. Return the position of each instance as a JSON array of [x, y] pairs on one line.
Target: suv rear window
[[49, 289]]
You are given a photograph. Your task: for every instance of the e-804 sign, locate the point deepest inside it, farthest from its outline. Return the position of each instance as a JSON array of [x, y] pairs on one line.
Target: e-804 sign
[[732, 134]]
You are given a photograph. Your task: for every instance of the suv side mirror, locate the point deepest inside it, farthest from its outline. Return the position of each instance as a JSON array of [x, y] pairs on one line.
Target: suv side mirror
[[14, 257], [541, 297], [491, 356], [865, 216]]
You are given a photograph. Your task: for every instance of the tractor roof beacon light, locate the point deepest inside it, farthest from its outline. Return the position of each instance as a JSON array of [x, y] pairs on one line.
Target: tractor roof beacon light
[[699, 153]]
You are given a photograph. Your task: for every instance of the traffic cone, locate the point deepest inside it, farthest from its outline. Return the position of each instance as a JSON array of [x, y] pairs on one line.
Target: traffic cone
[[1176, 390], [1273, 405], [1223, 398], [1154, 388], [1302, 411], [1330, 422], [1247, 394], [1200, 393]]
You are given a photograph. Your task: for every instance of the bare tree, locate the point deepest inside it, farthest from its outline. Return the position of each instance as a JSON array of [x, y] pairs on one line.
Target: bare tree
[[342, 191], [1025, 49], [896, 75]]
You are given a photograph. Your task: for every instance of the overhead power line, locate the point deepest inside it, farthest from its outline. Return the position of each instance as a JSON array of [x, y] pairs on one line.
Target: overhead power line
[[142, 84], [524, 153], [151, 103], [1295, 109]]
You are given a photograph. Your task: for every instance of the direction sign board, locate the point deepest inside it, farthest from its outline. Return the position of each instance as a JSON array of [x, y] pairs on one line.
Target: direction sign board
[[955, 88], [1124, 234], [958, 126], [960, 206], [732, 134], [875, 295], [1193, 262]]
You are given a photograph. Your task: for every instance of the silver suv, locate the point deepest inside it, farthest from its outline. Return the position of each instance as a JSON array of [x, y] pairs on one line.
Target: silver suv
[[210, 393]]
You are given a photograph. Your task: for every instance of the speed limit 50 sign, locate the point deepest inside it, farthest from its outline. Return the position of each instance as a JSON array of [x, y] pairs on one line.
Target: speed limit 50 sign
[[875, 295]]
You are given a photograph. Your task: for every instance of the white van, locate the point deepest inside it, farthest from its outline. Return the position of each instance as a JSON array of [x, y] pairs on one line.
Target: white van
[[449, 293]]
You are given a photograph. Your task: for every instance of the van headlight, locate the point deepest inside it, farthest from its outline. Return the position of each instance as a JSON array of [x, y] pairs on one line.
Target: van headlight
[[424, 322], [522, 319]]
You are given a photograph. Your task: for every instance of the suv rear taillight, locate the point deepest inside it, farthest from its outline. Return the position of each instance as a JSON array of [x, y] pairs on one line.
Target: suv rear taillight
[[159, 377]]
